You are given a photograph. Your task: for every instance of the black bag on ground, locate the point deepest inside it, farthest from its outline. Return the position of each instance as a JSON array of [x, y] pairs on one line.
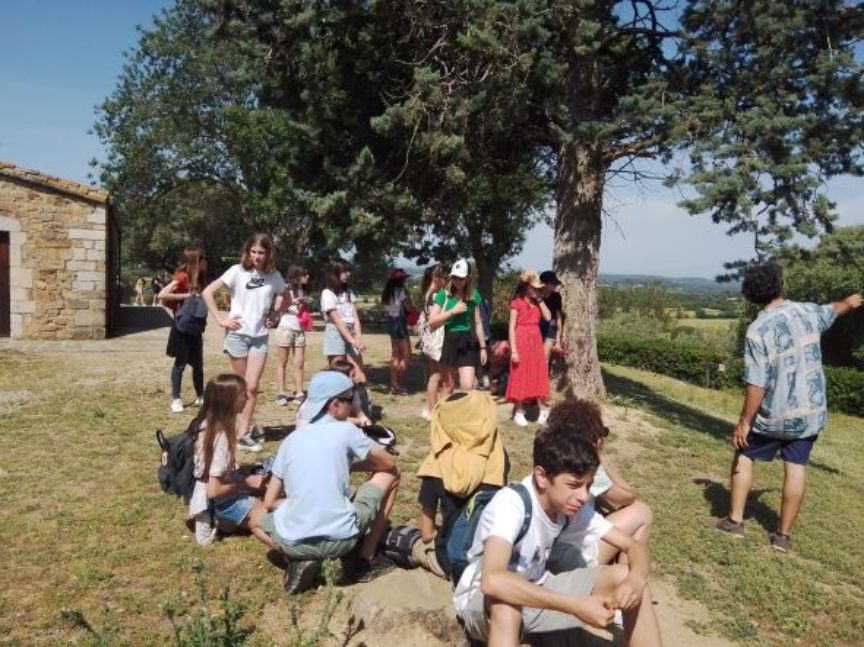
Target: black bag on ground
[[176, 472], [191, 316], [398, 544]]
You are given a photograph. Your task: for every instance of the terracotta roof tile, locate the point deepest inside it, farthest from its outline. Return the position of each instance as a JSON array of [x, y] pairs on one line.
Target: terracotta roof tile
[[56, 183]]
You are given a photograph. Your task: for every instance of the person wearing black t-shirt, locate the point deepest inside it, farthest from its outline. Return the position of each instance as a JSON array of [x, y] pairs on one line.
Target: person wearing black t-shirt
[[553, 329]]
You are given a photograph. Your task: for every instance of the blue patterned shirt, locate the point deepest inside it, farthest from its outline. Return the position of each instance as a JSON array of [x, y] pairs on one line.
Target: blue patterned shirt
[[782, 354]]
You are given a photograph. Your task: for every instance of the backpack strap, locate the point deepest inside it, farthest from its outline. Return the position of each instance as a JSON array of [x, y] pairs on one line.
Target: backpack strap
[[523, 493]]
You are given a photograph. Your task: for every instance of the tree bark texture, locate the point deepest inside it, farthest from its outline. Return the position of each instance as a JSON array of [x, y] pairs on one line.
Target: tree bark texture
[[579, 194]]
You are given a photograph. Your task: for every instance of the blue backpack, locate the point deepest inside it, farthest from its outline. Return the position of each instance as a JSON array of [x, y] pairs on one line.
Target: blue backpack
[[462, 533], [191, 316]]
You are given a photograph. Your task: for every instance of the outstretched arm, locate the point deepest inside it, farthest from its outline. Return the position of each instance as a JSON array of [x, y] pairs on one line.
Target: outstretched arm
[[847, 305]]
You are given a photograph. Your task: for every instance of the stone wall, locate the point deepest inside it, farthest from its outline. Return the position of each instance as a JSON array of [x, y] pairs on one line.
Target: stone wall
[[57, 258]]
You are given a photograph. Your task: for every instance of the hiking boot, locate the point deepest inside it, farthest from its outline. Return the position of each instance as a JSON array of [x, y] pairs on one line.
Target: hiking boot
[[734, 528], [247, 444], [519, 419], [544, 416], [176, 405], [366, 570], [300, 576], [780, 542], [282, 400]]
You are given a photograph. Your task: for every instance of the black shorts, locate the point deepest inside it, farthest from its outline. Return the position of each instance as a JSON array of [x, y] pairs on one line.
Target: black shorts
[[460, 349]]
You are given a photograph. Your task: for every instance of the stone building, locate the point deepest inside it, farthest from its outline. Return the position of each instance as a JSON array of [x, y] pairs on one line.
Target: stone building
[[58, 257]]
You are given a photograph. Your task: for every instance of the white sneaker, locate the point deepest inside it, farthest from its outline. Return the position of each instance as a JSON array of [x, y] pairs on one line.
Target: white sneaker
[[247, 444], [519, 418], [205, 533], [199, 401], [177, 405], [543, 417], [426, 414]]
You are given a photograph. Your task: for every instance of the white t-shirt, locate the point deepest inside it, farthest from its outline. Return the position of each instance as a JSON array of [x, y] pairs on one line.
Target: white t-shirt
[[503, 518], [585, 531], [219, 465], [252, 295], [342, 303], [289, 317], [394, 308]]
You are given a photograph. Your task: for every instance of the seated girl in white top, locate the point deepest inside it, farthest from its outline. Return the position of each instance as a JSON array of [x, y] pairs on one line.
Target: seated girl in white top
[[613, 496], [230, 491]]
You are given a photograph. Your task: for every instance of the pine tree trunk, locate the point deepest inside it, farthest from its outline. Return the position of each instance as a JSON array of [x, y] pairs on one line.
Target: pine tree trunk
[[577, 255]]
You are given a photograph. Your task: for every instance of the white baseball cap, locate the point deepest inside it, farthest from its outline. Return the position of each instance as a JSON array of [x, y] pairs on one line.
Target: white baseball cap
[[459, 269]]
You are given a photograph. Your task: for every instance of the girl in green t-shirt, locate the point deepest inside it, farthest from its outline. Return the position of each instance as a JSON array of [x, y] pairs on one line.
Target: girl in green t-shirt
[[456, 308]]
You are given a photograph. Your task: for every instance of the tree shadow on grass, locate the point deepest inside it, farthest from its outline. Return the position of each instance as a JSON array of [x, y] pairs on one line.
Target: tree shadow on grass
[[378, 377], [277, 432], [666, 408], [679, 413], [717, 495]]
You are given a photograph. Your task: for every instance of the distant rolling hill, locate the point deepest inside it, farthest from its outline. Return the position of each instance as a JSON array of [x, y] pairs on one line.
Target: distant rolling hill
[[683, 284]]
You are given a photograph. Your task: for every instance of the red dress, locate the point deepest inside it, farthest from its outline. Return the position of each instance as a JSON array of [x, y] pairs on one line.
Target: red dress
[[529, 379]]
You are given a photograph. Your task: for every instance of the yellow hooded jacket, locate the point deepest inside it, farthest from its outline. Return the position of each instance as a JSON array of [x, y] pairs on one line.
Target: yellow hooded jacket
[[465, 447]]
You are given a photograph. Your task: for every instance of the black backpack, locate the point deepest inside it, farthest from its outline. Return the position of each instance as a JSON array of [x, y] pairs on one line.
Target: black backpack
[[191, 316], [176, 472]]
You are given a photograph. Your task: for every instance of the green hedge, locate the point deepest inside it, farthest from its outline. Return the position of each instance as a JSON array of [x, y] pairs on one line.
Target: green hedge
[[845, 390], [701, 365]]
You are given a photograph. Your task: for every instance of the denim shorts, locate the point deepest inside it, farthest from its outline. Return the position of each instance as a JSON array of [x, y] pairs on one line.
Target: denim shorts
[[237, 345], [764, 448], [334, 342], [234, 508], [397, 328], [549, 329]]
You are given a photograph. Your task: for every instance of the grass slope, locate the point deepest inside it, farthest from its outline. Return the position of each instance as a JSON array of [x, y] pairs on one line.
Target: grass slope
[[84, 526], [812, 596]]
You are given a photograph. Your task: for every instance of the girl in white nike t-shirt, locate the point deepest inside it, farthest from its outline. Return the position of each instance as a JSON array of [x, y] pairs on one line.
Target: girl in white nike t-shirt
[[257, 300]]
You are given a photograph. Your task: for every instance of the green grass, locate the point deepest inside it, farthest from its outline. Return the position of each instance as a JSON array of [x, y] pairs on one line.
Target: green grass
[[84, 526], [812, 595]]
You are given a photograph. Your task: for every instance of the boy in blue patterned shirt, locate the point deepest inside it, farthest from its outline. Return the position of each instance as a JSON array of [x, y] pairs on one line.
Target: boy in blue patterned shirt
[[784, 402]]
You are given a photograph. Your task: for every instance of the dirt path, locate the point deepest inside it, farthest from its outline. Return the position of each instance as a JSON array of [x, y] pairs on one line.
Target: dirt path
[[404, 607]]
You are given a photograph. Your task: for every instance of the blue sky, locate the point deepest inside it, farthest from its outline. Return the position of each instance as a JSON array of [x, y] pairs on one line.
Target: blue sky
[[59, 59]]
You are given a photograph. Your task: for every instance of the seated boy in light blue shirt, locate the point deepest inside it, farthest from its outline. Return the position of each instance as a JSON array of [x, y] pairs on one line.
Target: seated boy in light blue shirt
[[319, 519]]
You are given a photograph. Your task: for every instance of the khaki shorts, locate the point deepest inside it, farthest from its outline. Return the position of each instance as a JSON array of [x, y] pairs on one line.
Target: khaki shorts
[[534, 621], [288, 338], [367, 501]]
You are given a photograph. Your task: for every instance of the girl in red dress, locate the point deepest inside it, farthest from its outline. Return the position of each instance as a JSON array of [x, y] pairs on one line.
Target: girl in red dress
[[529, 377]]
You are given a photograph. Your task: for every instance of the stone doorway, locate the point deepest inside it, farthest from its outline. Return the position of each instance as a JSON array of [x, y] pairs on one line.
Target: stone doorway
[[5, 311]]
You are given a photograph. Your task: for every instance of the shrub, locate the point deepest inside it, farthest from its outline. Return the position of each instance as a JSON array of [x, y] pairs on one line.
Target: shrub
[[701, 365], [692, 363], [845, 390]]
